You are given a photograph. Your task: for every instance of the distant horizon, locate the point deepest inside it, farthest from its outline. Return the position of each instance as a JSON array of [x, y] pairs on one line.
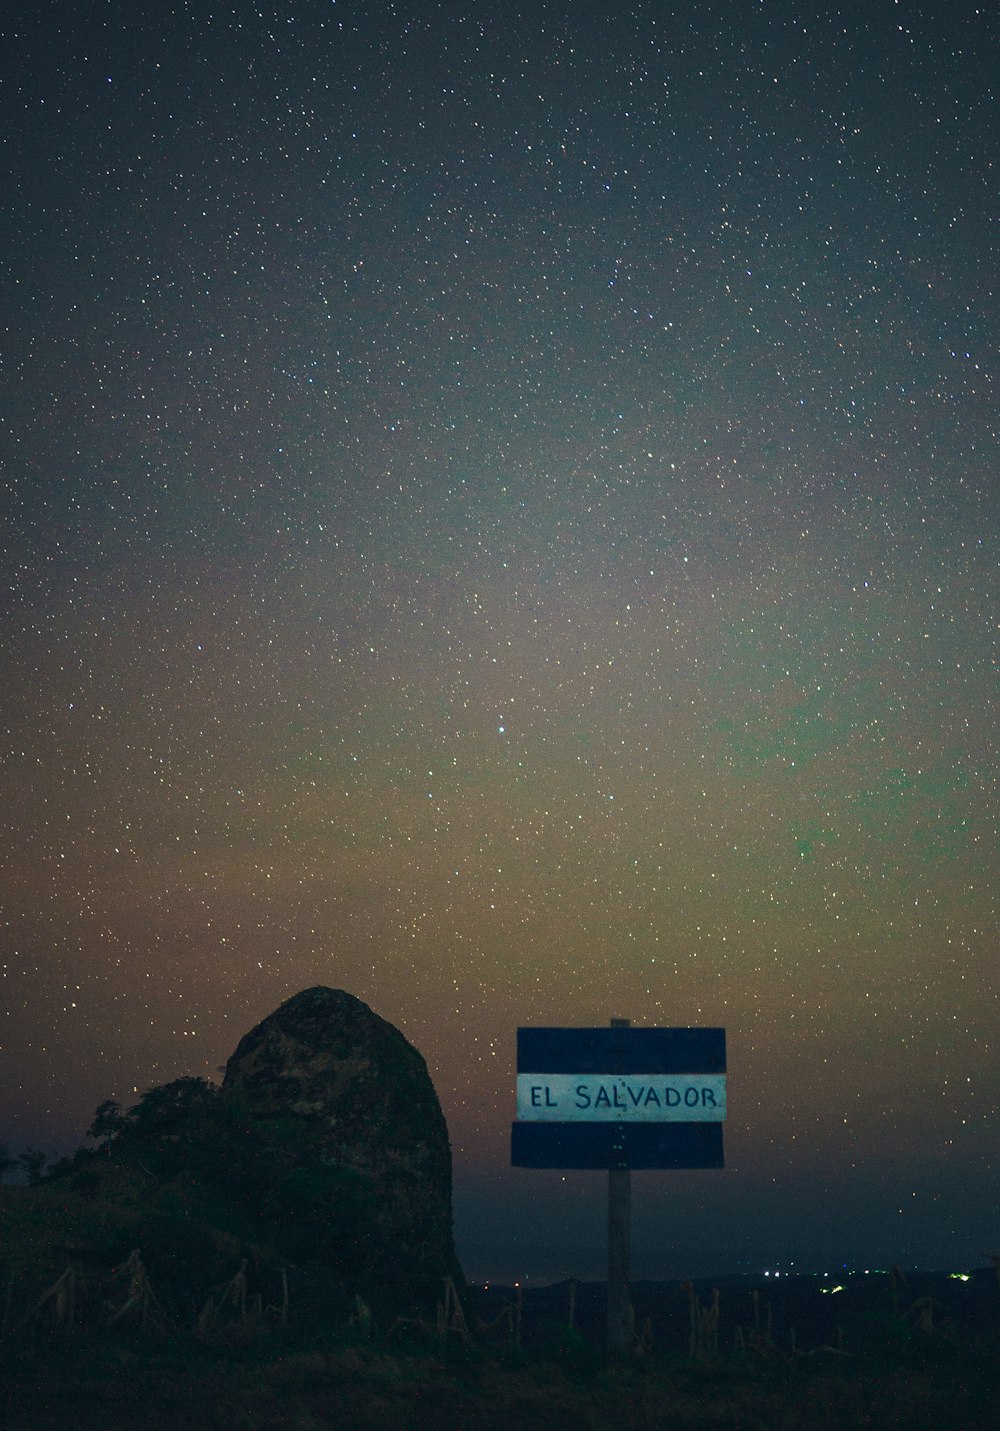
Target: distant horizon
[[586, 1262], [915, 1269]]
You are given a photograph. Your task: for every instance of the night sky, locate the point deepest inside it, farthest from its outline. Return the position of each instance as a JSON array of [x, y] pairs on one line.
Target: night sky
[[499, 515]]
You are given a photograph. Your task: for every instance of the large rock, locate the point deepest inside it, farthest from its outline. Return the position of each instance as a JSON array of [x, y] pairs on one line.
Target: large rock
[[346, 1090]]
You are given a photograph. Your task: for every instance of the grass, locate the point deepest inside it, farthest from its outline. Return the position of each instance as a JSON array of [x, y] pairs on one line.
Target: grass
[[191, 1334], [414, 1380]]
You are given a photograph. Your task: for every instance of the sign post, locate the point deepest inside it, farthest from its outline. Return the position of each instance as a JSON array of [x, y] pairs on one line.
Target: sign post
[[619, 1098], [619, 1248]]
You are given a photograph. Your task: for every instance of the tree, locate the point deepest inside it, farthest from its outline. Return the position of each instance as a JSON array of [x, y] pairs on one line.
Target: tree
[[33, 1162], [166, 1110], [109, 1121], [7, 1161], [170, 1108]]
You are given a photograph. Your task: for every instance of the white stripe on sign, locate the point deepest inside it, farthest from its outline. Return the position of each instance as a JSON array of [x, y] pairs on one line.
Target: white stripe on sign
[[621, 1098]]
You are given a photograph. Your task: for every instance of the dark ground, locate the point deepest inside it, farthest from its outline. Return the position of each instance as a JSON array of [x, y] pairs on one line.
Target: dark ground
[[921, 1354]]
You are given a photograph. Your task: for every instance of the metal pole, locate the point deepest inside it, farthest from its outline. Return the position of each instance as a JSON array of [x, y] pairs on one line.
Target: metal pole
[[619, 1239]]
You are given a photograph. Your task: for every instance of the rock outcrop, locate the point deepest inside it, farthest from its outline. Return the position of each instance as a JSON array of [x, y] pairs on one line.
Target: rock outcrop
[[352, 1107]]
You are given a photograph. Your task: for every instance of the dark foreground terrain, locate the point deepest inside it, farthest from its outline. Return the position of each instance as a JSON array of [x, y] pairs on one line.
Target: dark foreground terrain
[[921, 1353]]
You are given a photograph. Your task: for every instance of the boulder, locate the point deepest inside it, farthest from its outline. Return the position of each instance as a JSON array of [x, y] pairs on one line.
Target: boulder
[[352, 1107]]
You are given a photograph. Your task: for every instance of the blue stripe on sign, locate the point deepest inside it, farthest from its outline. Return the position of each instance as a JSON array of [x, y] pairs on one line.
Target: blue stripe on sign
[[604, 1145], [621, 1050]]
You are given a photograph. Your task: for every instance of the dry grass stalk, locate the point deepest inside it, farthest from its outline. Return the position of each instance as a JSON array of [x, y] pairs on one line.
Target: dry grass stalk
[[703, 1336], [235, 1291], [760, 1337], [140, 1300], [450, 1316], [7, 1302], [644, 1338], [362, 1317], [280, 1309], [922, 1313], [60, 1299], [420, 1322], [504, 1319], [205, 1322], [249, 1310]]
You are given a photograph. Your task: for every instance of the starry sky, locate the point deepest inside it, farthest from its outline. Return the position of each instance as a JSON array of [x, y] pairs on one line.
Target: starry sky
[[498, 514]]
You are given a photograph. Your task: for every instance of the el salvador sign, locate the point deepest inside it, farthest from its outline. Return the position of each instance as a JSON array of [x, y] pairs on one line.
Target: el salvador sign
[[619, 1097]]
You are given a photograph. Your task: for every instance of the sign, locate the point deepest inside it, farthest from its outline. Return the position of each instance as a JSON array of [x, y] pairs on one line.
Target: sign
[[607, 1098], [619, 1098]]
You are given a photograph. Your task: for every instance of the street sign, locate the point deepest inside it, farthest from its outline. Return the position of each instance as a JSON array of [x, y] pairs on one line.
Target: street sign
[[619, 1098]]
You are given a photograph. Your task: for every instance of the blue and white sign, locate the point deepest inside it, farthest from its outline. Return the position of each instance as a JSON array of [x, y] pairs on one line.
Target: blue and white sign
[[613, 1098], [619, 1097]]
